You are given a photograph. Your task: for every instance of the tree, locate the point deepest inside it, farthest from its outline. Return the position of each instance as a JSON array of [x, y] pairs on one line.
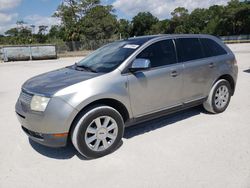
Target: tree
[[21, 24], [237, 16], [197, 21], [99, 23], [214, 16], [71, 12], [56, 32], [179, 20], [19, 35], [25, 32], [124, 28], [13, 32], [243, 17], [160, 27], [42, 29], [41, 36], [179, 13], [142, 23]]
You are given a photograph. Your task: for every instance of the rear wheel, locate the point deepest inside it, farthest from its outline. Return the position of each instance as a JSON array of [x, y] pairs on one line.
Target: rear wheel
[[98, 131], [219, 97]]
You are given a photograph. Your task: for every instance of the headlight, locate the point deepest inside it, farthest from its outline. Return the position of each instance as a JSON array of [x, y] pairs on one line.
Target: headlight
[[39, 103]]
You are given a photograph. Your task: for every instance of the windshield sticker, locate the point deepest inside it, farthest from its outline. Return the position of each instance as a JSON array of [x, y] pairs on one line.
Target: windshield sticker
[[131, 46]]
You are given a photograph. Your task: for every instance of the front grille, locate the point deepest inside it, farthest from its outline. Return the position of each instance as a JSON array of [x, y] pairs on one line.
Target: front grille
[[25, 97]]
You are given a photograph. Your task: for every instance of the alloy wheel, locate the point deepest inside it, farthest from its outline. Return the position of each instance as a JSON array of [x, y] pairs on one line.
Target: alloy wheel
[[221, 97], [101, 133]]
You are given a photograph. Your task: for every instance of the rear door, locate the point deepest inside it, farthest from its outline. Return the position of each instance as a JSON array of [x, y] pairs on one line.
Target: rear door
[[198, 71], [159, 87], [215, 57]]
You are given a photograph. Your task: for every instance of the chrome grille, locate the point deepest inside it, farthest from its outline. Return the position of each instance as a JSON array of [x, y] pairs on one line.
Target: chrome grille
[[25, 97]]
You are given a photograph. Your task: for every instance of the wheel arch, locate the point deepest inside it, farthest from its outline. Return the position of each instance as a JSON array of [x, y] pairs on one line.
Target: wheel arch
[[117, 105], [230, 79]]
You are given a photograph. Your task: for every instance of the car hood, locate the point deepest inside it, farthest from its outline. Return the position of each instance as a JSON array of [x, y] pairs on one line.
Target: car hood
[[49, 83]]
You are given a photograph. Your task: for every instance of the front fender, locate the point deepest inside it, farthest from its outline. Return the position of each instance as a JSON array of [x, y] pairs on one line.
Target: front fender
[[109, 86]]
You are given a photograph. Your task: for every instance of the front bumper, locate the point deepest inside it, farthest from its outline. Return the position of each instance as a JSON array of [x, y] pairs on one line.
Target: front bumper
[[49, 140], [49, 128]]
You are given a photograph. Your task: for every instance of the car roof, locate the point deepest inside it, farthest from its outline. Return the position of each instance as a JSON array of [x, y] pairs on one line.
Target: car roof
[[150, 37]]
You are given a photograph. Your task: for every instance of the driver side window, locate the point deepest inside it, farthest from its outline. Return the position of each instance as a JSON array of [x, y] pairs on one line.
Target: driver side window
[[160, 53]]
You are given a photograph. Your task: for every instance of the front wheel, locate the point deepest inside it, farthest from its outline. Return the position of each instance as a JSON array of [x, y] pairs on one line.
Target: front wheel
[[219, 97], [98, 131]]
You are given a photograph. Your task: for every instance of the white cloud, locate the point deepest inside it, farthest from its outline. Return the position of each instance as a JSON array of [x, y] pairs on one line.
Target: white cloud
[[162, 8], [9, 4], [38, 20], [6, 21], [6, 18]]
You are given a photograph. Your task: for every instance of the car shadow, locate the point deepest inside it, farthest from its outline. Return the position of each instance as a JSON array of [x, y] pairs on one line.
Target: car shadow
[[247, 71], [130, 132], [56, 153], [63, 153], [164, 121]]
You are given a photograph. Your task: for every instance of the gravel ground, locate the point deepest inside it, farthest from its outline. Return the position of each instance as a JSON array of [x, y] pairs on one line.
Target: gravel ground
[[187, 149]]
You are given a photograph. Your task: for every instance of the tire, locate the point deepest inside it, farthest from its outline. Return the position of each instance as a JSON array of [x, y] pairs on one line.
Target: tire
[[97, 131], [219, 97]]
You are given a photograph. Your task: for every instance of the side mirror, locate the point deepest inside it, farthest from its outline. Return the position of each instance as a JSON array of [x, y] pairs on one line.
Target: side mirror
[[140, 64]]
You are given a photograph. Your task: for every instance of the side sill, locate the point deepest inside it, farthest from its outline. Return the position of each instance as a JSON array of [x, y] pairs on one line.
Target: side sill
[[162, 113]]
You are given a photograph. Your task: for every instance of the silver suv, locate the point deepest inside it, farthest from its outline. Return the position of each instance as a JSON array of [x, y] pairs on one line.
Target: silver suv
[[123, 83]]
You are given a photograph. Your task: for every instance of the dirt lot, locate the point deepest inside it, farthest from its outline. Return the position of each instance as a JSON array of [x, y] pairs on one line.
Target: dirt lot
[[188, 149]]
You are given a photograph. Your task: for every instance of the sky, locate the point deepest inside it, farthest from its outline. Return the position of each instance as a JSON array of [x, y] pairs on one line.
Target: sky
[[38, 12]]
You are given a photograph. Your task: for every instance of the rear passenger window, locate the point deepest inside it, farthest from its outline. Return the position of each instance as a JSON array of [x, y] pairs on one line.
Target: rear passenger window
[[212, 48], [189, 49], [160, 53]]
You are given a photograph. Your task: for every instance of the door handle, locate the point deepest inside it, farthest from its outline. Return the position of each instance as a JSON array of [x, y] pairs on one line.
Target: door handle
[[174, 73], [211, 65]]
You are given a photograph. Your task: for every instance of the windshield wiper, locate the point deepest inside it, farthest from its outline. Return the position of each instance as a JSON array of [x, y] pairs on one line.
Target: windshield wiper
[[85, 68]]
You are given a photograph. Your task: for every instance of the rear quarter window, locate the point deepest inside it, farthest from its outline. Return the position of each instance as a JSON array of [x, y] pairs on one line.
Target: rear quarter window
[[212, 48], [189, 49]]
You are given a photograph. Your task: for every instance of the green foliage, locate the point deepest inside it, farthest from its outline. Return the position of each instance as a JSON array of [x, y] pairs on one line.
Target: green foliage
[[19, 35], [161, 27], [235, 19], [71, 12], [13, 32], [179, 20], [57, 32], [99, 23], [124, 28], [142, 23]]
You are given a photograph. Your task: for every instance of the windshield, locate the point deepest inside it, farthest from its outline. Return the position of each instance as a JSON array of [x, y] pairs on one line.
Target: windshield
[[110, 56]]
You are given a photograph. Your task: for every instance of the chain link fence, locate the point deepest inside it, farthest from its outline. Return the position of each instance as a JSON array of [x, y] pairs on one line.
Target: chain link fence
[[89, 45]]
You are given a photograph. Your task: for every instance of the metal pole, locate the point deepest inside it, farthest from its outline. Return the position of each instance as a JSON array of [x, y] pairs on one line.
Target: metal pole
[[30, 53]]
